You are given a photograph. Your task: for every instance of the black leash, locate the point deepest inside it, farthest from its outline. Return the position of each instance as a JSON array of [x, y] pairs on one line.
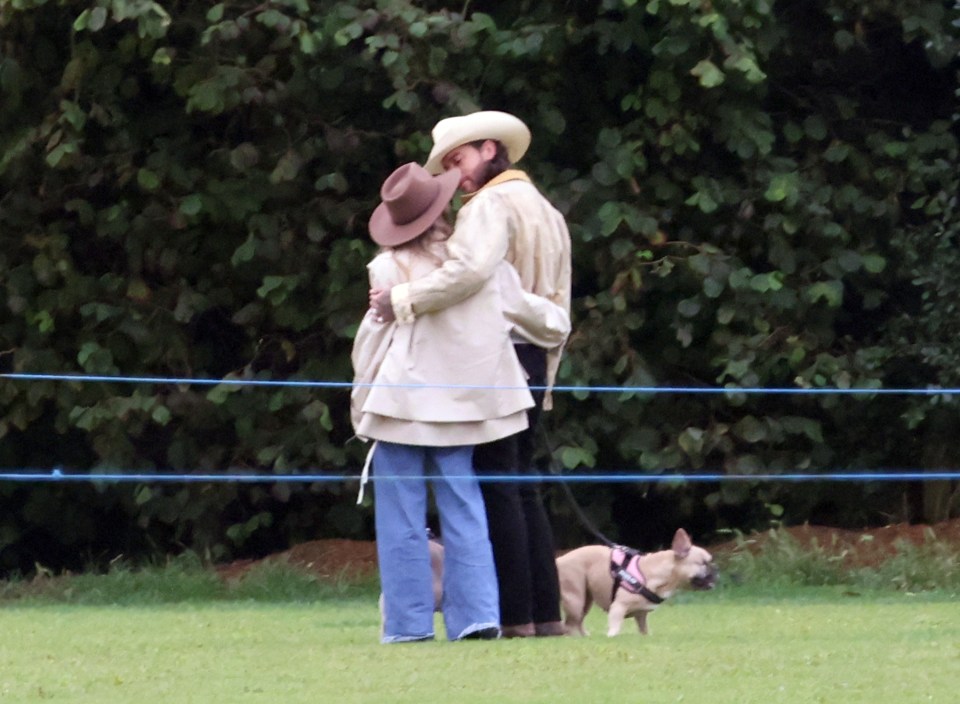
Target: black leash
[[554, 470], [619, 571]]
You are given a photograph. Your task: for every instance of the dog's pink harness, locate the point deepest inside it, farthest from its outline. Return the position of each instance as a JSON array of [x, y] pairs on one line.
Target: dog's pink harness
[[625, 570]]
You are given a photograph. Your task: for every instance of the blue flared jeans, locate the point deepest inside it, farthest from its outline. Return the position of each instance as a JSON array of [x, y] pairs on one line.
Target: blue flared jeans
[[470, 597]]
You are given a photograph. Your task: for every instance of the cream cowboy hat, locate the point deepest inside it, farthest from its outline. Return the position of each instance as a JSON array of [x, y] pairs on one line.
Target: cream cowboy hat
[[452, 132], [412, 202]]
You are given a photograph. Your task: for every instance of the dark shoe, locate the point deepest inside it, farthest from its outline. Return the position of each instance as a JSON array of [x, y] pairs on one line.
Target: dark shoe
[[550, 628], [524, 630], [491, 633]]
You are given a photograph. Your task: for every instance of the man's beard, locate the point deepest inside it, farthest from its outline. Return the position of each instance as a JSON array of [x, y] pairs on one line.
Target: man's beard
[[484, 172]]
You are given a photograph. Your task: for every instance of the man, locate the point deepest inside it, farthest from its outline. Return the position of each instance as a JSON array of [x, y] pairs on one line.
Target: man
[[504, 216]]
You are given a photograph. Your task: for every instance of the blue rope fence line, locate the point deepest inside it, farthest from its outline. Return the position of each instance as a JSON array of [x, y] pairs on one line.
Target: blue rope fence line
[[94, 378], [58, 476]]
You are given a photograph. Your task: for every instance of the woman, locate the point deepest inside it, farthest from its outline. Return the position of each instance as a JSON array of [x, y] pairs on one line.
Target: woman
[[427, 390]]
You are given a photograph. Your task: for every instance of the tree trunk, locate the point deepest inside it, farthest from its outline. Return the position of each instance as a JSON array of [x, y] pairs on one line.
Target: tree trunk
[[940, 452]]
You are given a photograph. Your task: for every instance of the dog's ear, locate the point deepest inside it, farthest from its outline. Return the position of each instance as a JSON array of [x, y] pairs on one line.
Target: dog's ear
[[681, 544]]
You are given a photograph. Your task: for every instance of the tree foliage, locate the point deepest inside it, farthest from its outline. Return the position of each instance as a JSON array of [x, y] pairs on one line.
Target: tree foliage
[[760, 194]]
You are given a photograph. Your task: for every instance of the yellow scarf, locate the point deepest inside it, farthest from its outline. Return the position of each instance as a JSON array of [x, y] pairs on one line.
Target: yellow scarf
[[508, 175]]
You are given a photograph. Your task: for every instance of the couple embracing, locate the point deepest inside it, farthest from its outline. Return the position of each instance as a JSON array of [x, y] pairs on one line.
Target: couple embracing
[[463, 321]]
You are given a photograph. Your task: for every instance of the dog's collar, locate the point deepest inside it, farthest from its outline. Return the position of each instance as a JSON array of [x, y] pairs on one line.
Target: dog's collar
[[625, 570]]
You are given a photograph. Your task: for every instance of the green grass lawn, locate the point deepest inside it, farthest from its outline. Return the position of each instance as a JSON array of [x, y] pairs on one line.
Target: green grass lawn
[[795, 645]]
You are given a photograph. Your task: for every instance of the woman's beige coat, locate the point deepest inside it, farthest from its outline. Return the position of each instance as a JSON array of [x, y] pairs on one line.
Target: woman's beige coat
[[450, 377], [510, 219]]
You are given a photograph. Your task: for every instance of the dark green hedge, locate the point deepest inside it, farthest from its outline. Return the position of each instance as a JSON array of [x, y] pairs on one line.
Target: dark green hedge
[[760, 194]]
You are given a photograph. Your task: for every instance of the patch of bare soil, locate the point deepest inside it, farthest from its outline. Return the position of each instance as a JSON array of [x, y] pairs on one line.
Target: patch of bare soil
[[859, 548], [328, 559]]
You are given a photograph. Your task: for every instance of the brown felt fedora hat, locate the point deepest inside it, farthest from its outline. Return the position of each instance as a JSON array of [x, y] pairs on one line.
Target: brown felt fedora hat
[[412, 201], [453, 132]]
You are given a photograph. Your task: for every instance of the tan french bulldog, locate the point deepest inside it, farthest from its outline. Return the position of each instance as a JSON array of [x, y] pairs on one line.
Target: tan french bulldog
[[625, 583]]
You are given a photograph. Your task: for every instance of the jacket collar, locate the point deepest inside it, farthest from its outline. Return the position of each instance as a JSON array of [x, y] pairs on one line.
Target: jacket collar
[[508, 175]]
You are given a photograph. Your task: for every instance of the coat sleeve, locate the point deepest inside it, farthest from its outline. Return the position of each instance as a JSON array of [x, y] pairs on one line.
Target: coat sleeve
[[478, 244], [534, 318], [372, 340]]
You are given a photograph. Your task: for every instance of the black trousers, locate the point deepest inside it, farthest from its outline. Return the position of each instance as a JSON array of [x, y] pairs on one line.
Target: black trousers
[[520, 532]]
